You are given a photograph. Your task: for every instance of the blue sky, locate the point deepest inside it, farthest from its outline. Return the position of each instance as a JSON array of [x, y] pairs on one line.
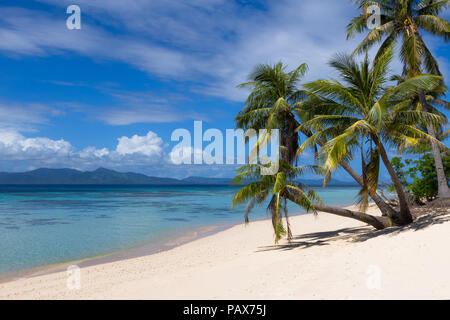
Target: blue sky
[[112, 93]]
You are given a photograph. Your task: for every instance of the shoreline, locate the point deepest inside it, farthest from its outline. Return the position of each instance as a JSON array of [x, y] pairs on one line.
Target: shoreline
[[125, 254], [330, 257], [142, 250]]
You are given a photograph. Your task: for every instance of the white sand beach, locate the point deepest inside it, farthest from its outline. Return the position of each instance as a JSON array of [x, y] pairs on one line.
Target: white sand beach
[[330, 258]]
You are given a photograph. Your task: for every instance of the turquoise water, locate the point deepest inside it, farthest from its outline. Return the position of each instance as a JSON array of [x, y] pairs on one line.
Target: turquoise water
[[42, 225]]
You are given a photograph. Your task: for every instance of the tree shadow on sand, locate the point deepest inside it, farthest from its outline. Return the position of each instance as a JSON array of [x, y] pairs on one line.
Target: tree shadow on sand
[[359, 234]]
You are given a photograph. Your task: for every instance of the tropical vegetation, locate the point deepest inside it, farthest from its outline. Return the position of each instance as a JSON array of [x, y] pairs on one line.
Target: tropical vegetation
[[419, 177]]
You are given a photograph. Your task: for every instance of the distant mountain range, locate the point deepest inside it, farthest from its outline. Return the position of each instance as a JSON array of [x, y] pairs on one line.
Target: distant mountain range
[[104, 176]]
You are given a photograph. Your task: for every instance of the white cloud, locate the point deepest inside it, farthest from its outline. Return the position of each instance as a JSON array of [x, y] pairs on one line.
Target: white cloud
[[17, 151], [25, 117], [215, 43], [144, 154], [121, 116], [143, 107], [149, 145], [93, 153], [38, 33], [14, 146]]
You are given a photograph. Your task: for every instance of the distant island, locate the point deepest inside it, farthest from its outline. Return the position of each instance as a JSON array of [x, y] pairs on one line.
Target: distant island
[[103, 176]]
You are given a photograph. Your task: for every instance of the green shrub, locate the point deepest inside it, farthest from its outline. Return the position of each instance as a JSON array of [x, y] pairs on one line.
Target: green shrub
[[422, 173]]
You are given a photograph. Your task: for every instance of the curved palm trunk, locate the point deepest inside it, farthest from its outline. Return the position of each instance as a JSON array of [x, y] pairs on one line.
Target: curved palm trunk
[[443, 190], [378, 223], [385, 209], [404, 216]]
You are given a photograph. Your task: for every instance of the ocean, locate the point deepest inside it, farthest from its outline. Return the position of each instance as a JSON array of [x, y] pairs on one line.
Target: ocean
[[44, 225]]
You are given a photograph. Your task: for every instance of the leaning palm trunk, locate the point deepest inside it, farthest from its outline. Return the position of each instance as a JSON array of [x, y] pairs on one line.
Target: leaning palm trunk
[[358, 112], [385, 209], [443, 190], [404, 216], [378, 223]]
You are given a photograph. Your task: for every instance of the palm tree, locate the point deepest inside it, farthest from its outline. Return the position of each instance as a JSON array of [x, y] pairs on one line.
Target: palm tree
[[277, 102], [434, 102], [362, 114], [271, 104], [276, 186], [282, 187], [274, 102], [406, 19]]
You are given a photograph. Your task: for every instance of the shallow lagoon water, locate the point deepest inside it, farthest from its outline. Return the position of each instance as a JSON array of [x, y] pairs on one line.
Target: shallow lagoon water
[[42, 225]]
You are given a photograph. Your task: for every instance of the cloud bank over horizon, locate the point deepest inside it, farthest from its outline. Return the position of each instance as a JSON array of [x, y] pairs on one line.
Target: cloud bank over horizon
[[143, 154], [32, 153]]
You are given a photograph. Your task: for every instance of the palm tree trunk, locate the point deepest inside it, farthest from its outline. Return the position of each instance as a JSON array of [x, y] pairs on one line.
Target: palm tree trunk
[[385, 209], [443, 190], [404, 216], [377, 222]]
